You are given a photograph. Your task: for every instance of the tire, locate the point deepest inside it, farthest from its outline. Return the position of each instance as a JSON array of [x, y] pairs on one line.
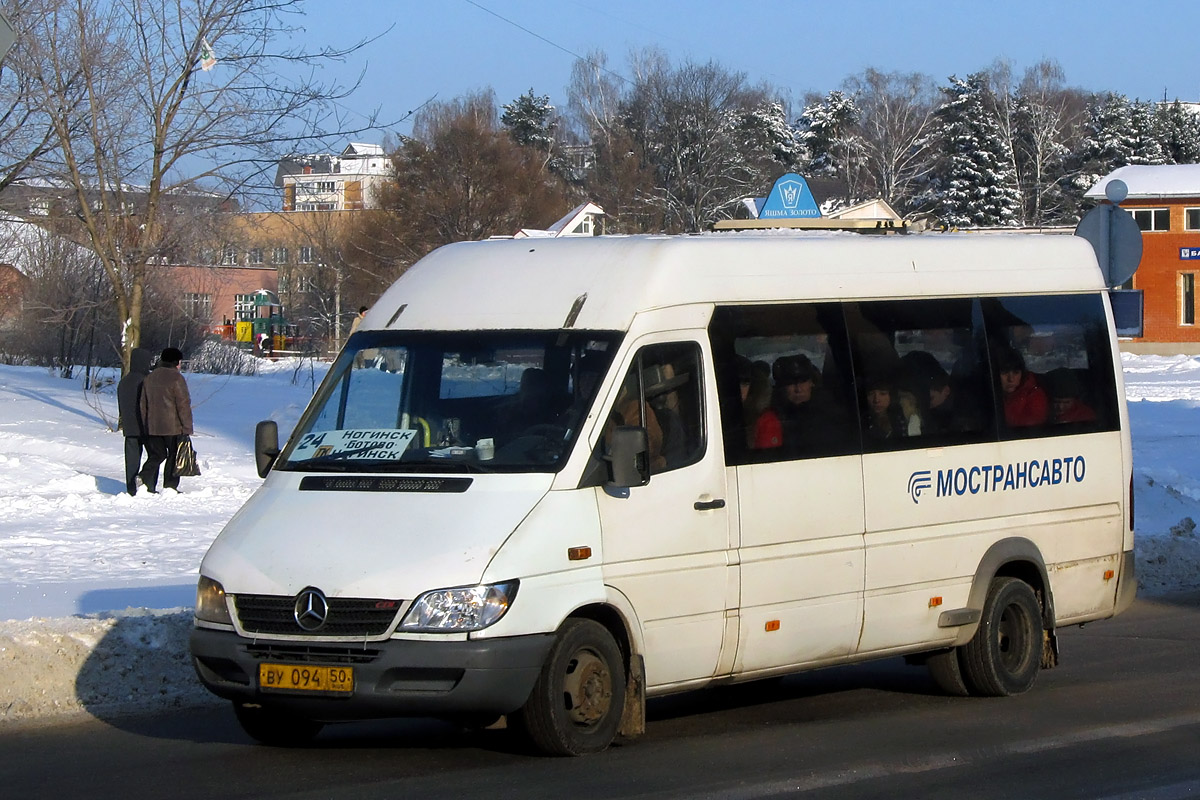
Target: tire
[[576, 705], [946, 673], [1004, 656], [277, 728]]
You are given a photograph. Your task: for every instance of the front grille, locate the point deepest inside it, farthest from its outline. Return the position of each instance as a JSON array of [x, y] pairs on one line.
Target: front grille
[[348, 616], [307, 654]]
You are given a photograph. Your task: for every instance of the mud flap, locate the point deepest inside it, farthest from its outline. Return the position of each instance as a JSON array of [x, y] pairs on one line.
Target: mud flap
[[1049, 649], [633, 717]]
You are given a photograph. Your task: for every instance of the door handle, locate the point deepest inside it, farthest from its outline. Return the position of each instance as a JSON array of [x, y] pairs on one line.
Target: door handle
[[708, 505]]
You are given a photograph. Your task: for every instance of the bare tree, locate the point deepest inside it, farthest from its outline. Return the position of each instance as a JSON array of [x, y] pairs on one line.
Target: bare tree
[[1051, 118], [64, 302], [460, 178], [894, 125], [694, 126], [26, 134], [594, 98], [151, 99]]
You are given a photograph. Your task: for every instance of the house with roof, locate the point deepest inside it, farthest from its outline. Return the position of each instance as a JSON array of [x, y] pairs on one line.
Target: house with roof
[[1165, 202], [585, 219], [327, 182]]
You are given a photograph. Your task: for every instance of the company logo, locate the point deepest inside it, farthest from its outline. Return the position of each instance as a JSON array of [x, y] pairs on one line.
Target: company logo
[[311, 609], [918, 482], [790, 191], [993, 478]]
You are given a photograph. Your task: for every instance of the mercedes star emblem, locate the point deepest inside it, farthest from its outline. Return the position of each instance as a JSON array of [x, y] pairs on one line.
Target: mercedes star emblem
[[311, 610]]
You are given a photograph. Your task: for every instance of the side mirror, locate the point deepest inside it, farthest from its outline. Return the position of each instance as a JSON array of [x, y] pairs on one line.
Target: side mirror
[[266, 445], [628, 457]]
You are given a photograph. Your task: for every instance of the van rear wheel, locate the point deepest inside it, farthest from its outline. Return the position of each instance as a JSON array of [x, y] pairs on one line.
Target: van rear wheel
[[1004, 656], [576, 705], [274, 727]]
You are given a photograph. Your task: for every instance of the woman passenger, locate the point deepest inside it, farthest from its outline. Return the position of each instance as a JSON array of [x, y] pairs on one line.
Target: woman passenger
[[1025, 401]]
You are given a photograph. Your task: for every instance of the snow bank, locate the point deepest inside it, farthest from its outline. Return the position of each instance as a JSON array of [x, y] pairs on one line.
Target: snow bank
[[106, 665]]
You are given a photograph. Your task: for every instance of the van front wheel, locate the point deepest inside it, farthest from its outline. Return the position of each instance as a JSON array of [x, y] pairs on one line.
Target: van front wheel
[[576, 705], [1003, 657]]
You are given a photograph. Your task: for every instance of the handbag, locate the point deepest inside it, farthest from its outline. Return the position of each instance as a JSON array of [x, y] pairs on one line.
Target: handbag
[[186, 463]]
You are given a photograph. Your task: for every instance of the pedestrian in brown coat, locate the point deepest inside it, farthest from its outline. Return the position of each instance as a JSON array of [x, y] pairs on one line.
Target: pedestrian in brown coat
[[167, 409]]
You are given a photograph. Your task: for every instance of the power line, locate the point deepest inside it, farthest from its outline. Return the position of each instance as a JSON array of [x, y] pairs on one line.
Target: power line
[[552, 44]]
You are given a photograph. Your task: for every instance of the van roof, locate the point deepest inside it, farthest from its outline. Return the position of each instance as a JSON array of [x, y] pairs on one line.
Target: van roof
[[534, 283]]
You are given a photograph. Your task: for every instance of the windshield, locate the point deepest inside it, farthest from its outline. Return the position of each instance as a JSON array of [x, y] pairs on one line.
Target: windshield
[[404, 401]]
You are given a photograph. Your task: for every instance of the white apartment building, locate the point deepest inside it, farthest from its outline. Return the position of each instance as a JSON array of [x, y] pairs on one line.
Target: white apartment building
[[327, 182]]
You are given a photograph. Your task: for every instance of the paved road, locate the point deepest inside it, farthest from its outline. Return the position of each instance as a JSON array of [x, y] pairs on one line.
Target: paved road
[[1119, 719]]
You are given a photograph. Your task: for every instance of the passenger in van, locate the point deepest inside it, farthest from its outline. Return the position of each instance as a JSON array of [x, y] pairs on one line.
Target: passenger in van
[[661, 386], [754, 379], [946, 413], [1025, 401], [884, 417], [1066, 398], [625, 412], [800, 420]]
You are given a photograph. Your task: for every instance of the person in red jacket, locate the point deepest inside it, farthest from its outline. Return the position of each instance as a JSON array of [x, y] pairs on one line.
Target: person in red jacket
[[1025, 401], [1066, 398]]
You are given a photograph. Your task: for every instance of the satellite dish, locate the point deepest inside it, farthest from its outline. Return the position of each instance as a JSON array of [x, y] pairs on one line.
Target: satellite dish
[[1115, 237], [1116, 191]]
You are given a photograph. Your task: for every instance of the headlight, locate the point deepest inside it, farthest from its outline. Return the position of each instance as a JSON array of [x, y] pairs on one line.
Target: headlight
[[210, 602], [470, 608]]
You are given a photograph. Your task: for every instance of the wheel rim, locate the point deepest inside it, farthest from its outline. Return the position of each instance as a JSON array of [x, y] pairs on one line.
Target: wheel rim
[[1012, 638], [587, 689]]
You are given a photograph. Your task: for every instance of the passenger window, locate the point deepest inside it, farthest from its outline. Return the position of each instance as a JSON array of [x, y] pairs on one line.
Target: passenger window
[[1052, 364], [662, 393], [783, 382], [917, 368]]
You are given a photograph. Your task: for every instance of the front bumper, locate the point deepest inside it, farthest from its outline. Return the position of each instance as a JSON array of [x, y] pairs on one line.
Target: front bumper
[[394, 678]]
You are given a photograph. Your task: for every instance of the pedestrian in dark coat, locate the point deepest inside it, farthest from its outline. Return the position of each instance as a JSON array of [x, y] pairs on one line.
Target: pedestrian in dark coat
[[133, 424], [167, 409]]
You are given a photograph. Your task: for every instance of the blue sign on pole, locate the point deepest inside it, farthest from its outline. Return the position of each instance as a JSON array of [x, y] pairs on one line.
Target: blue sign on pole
[[1189, 254], [790, 198]]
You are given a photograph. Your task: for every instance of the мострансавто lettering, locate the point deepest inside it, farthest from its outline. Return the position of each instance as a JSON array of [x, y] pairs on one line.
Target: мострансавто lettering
[[990, 478]]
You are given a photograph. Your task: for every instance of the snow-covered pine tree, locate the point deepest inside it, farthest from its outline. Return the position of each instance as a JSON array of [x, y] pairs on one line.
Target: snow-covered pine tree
[[829, 132], [1179, 128], [767, 135], [1108, 141], [531, 122], [973, 184], [1146, 134]]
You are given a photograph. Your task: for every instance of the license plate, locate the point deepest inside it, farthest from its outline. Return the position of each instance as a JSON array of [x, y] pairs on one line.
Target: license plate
[[294, 678]]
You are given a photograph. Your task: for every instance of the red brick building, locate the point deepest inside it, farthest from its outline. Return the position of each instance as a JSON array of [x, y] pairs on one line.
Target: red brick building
[[1165, 202]]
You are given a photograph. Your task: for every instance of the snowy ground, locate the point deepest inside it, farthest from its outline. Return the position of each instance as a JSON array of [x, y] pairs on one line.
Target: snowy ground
[[96, 586]]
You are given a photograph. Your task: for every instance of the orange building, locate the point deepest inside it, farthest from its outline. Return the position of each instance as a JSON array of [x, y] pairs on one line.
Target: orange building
[[212, 292], [1165, 202]]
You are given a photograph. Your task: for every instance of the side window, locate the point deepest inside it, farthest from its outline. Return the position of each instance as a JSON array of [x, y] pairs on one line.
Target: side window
[[783, 379], [918, 368], [662, 392], [1052, 365]]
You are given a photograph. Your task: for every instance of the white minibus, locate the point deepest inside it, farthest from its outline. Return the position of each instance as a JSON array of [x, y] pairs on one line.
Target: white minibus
[[547, 479]]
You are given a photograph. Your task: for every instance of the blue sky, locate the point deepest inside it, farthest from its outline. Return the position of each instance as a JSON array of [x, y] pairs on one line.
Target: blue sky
[[449, 47]]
